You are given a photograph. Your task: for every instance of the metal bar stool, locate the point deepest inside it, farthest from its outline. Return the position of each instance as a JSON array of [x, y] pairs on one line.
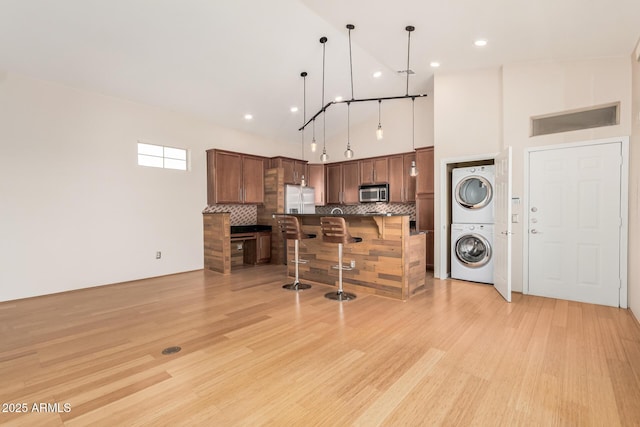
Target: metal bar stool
[[334, 230], [290, 228]]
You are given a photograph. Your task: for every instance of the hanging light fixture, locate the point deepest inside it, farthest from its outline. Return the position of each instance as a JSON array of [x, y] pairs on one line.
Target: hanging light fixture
[[413, 171], [304, 117], [379, 133], [323, 157], [314, 145], [323, 109], [349, 152]]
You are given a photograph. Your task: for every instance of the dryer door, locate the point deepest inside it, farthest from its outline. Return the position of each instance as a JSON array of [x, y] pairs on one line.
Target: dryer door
[[473, 192], [473, 250]]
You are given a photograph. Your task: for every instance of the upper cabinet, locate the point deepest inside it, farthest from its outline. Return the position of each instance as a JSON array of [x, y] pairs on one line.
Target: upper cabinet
[[316, 180], [374, 171], [234, 178], [294, 169], [424, 163], [343, 180]]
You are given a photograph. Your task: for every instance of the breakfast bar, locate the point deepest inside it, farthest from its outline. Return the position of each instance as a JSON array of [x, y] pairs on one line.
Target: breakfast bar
[[390, 260]]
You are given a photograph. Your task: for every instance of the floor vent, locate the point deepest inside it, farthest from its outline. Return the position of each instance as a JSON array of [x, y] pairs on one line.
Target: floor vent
[[171, 350], [587, 118]]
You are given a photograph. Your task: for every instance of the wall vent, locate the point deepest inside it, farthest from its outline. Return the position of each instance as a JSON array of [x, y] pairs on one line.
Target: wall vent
[[585, 118]]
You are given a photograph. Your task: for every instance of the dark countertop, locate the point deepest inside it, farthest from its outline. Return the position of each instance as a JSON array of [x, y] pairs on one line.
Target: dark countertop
[[237, 229], [346, 215]]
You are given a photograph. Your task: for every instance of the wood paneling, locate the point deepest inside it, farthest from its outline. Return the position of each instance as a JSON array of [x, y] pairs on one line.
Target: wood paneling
[[383, 258], [217, 249], [273, 203]]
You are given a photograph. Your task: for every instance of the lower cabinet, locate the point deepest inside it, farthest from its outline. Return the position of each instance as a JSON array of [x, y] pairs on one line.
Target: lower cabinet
[[256, 247]]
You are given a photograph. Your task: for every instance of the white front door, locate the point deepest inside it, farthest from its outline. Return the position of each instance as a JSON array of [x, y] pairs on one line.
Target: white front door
[[574, 223], [502, 229]]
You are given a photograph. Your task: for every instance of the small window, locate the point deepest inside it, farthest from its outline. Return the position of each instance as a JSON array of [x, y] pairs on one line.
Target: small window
[[157, 156], [587, 118]]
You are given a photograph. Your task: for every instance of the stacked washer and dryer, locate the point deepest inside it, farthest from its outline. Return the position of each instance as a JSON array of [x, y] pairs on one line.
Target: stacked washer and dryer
[[472, 228]]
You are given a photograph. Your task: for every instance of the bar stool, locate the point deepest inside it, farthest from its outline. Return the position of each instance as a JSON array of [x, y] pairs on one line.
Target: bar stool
[[334, 230], [290, 228]]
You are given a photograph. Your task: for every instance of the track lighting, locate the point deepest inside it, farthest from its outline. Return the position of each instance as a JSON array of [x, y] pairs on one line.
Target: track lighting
[[349, 154]]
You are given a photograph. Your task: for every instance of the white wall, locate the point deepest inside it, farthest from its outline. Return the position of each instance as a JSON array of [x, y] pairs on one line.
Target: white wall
[[634, 190], [548, 87], [76, 211], [477, 113], [467, 123]]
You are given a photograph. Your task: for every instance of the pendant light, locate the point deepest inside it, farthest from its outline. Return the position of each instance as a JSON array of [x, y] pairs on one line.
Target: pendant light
[[304, 117], [379, 133], [323, 157], [314, 145], [349, 152], [413, 171]]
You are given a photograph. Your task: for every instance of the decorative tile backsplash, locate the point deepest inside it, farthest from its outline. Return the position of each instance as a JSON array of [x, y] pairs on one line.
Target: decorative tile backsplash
[[240, 214], [395, 208], [248, 214]]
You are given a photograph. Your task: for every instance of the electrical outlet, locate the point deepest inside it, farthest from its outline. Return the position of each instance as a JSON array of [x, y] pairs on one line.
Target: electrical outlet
[[158, 255], [353, 263]]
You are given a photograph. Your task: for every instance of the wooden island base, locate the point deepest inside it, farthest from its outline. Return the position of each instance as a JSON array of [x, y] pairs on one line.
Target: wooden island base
[[388, 262]]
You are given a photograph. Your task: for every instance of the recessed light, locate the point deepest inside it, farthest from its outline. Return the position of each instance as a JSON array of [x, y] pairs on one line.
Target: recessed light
[[480, 42], [435, 64], [338, 98], [248, 116], [294, 109], [377, 74]]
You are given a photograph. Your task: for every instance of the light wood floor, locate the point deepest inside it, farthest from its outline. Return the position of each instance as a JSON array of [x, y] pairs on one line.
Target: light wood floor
[[255, 354]]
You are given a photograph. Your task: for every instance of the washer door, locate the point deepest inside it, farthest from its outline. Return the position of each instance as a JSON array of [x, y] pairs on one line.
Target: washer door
[[474, 192], [473, 250]]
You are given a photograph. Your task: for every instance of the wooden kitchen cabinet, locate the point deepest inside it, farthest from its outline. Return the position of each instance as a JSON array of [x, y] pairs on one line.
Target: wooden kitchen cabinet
[[263, 247], [424, 222], [334, 184], [374, 171], [343, 182], [316, 180], [294, 169], [234, 178], [350, 183], [424, 162], [409, 181]]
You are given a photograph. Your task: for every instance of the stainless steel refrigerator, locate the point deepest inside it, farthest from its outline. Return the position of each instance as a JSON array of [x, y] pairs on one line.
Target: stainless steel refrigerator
[[299, 199]]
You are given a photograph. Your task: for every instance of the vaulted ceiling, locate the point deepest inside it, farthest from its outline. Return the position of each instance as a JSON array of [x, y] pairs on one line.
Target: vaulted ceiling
[[220, 60]]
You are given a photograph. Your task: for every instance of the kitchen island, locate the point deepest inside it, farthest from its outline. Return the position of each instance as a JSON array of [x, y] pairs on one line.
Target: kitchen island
[[390, 261]]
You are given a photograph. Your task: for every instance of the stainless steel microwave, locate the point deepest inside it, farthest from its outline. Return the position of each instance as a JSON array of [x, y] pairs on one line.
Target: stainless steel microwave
[[374, 193]]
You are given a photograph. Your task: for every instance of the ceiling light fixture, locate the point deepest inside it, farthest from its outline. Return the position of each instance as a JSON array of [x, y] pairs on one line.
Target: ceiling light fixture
[[294, 109], [413, 171], [248, 116], [338, 100], [434, 64], [377, 74], [379, 132], [323, 157], [480, 42]]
